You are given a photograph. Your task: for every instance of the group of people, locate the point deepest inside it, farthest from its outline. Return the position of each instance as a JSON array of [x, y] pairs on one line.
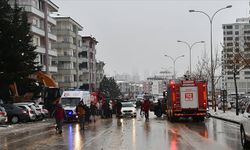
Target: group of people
[[83, 112]]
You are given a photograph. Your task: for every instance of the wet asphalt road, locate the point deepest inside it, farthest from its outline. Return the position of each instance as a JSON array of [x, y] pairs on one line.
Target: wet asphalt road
[[132, 134]]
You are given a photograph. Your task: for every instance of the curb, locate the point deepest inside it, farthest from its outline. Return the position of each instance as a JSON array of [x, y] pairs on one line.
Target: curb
[[27, 129], [233, 121]]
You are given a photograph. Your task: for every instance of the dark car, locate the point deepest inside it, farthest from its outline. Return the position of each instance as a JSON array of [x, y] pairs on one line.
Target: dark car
[[15, 114], [3, 116]]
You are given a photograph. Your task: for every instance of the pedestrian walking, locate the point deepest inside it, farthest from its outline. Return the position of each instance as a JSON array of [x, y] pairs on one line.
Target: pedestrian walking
[[146, 106], [81, 112], [93, 110], [59, 116], [118, 108], [141, 110]]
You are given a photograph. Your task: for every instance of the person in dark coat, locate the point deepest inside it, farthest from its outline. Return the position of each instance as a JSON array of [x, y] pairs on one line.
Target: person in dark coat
[[81, 112], [93, 110], [59, 116], [118, 108]]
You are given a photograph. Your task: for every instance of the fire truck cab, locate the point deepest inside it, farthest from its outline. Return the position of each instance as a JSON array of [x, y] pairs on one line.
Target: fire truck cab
[[186, 98]]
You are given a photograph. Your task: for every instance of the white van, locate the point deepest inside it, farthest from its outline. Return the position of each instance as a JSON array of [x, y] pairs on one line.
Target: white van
[[70, 100]]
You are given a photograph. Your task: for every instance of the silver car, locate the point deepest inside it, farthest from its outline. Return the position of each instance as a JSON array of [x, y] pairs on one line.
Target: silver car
[[31, 113], [245, 128], [3, 116]]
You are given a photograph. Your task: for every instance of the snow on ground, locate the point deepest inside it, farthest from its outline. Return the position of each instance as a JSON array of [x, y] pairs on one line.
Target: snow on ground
[[228, 115]]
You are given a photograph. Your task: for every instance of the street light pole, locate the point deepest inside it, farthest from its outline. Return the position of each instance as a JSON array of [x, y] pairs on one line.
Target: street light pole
[[211, 49], [190, 48], [174, 60]]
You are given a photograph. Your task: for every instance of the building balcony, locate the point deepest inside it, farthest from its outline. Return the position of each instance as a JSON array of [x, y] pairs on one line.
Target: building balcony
[[33, 10], [52, 36], [65, 45], [66, 71], [40, 50], [52, 69], [51, 20], [65, 32], [67, 58], [53, 52], [37, 30]]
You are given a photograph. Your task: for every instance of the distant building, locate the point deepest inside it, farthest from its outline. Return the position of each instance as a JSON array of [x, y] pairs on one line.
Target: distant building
[[69, 48], [41, 23], [236, 35], [89, 65], [99, 73]]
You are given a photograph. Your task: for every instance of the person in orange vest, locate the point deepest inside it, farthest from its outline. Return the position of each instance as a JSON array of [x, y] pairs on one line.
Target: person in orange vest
[[81, 112]]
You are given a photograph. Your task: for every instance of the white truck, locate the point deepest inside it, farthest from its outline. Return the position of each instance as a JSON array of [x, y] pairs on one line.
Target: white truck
[[70, 100]]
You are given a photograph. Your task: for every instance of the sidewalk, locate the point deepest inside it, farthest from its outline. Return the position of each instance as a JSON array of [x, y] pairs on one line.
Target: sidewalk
[[27, 127], [229, 115]]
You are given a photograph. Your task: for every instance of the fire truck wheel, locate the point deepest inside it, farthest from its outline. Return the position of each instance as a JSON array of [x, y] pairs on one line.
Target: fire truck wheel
[[158, 113]]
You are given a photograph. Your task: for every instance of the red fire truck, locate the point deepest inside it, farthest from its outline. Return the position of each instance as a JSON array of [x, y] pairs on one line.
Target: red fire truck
[[186, 98]]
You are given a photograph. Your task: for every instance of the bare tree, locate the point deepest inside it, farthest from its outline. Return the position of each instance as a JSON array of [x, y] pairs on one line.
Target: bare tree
[[238, 61]]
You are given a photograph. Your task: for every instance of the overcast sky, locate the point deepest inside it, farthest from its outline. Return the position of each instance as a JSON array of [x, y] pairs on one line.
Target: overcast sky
[[134, 35]]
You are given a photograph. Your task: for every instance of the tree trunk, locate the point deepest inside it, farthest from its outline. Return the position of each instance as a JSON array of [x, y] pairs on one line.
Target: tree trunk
[[236, 92]]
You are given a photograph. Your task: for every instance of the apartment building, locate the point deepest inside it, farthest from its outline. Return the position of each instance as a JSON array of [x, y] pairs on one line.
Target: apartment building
[[99, 73], [236, 35], [38, 12], [69, 50], [88, 66]]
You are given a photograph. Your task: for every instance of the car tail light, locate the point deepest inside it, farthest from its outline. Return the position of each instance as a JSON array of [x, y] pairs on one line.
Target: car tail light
[[32, 112], [2, 113]]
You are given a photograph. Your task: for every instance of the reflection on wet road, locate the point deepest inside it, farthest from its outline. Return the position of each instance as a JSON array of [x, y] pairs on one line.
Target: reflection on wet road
[[133, 134]]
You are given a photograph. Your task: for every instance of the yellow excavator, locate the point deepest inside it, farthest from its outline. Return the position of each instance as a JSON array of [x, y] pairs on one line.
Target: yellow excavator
[[41, 86]]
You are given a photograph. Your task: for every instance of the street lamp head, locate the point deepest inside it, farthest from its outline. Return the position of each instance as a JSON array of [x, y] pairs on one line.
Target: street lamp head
[[182, 55], [191, 10], [166, 55], [229, 6], [202, 41], [179, 41]]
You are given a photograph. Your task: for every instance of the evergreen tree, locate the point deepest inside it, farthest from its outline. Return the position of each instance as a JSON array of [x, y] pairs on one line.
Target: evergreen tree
[[109, 88], [17, 53]]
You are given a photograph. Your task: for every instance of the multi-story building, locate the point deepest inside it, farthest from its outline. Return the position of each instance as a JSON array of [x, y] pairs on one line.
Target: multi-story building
[[99, 73], [38, 12], [89, 64], [236, 35], [69, 50]]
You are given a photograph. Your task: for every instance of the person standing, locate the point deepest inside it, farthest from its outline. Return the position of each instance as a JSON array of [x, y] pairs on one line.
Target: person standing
[[118, 108], [146, 106], [81, 112], [59, 116], [93, 110]]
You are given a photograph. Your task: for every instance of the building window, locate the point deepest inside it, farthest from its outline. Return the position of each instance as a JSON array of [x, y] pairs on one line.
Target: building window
[[236, 26], [247, 72], [229, 32], [236, 32], [229, 38], [229, 44], [229, 27], [247, 78]]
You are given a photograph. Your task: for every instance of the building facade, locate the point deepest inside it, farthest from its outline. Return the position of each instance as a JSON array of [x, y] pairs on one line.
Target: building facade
[[236, 37], [38, 12], [99, 73], [89, 64], [69, 50]]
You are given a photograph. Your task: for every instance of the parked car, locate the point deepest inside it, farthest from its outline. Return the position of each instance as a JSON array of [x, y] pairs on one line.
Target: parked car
[[33, 107], [45, 112], [31, 112], [3, 116], [227, 105], [245, 128], [15, 114], [128, 109]]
